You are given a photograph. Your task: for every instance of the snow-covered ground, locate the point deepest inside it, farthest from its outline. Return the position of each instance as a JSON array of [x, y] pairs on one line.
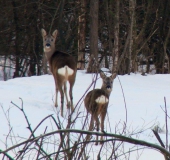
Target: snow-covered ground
[[141, 96]]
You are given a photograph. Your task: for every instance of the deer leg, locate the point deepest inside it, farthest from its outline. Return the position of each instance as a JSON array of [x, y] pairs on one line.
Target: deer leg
[[90, 128], [62, 99], [56, 96], [97, 125], [65, 92], [91, 124], [103, 115], [71, 96]]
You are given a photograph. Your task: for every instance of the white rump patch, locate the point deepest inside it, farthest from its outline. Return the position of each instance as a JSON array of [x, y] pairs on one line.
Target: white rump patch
[[102, 99], [65, 69]]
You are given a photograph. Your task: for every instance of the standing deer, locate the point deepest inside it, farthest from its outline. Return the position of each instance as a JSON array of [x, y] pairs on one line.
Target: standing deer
[[96, 102], [62, 66]]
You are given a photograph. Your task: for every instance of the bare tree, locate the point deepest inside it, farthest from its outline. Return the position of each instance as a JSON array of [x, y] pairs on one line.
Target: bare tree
[[132, 12], [116, 38], [17, 50], [93, 61], [81, 35], [166, 55]]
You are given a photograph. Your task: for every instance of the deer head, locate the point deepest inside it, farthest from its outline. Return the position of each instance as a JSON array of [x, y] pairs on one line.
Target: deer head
[[107, 83], [49, 42]]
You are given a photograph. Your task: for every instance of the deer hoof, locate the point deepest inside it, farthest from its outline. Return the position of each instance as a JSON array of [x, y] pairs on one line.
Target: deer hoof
[[96, 143], [101, 143], [62, 115], [72, 108], [104, 132], [68, 105]]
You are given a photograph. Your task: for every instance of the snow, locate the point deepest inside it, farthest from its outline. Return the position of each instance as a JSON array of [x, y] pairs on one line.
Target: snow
[[135, 100]]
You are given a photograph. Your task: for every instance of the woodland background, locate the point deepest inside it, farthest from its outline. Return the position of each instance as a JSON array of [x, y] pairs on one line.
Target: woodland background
[[129, 32], [125, 36]]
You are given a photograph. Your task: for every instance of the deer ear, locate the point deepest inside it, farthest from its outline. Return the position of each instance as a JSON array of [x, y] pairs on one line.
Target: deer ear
[[55, 33], [43, 32], [102, 75], [113, 76]]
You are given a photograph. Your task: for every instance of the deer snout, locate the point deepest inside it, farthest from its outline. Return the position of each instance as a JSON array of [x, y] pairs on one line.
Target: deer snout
[[109, 87], [48, 45]]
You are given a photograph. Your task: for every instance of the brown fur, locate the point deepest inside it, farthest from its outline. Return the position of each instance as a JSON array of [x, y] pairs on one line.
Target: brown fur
[[58, 60], [96, 109]]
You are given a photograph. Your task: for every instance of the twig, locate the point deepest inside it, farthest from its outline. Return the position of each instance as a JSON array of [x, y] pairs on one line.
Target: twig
[[41, 144], [29, 127], [98, 156], [10, 127], [158, 138], [166, 122], [7, 155], [123, 99], [118, 138]]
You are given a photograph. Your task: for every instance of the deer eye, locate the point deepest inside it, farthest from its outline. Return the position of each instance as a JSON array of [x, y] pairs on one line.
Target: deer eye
[[51, 39]]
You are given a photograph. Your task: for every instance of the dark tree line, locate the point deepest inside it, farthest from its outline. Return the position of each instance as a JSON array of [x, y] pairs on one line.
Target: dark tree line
[[129, 33]]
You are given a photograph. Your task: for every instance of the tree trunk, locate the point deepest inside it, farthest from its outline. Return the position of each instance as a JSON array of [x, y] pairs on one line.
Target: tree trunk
[[109, 13], [93, 62], [81, 36], [165, 68], [44, 64], [165, 57], [116, 38], [132, 12], [109, 20], [59, 26], [17, 52]]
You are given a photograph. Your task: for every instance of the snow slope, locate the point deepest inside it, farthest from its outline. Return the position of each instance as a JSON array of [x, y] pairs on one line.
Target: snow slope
[[137, 100]]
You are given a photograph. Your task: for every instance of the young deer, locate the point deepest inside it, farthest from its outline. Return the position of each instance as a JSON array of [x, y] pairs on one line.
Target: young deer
[[96, 102], [62, 66]]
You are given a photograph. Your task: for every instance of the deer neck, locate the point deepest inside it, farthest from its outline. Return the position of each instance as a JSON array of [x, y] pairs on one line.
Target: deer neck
[[108, 91], [48, 54]]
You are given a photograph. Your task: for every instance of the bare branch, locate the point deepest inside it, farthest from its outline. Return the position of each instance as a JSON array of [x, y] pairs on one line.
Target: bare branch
[[119, 138]]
